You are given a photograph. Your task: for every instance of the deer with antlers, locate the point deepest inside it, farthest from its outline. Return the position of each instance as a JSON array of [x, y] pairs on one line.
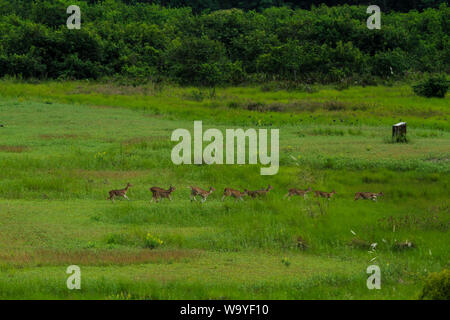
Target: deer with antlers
[[236, 194], [160, 193], [195, 191], [258, 193], [119, 193], [297, 192]]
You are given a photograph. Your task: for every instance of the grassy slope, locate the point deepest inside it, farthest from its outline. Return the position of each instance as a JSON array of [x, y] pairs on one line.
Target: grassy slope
[[64, 146]]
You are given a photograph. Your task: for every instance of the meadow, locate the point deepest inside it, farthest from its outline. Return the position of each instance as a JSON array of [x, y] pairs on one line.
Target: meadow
[[64, 145]]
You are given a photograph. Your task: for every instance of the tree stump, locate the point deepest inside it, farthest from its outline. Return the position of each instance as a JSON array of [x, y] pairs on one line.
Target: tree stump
[[399, 132]]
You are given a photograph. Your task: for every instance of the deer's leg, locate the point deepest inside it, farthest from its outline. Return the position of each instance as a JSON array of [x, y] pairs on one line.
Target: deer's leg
[[223, 197], [125, 196]]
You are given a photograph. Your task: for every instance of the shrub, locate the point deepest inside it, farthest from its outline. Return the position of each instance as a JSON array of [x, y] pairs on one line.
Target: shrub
[[390, 63], [436, 86], [437, 286], [151, 241], [116, 239]]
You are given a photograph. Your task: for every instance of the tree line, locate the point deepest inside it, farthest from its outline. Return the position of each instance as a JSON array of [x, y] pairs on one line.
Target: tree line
[[202, 5], [151, 42]]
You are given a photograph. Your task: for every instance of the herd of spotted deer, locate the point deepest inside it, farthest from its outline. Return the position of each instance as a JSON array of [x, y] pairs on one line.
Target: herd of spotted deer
[[160, 193]]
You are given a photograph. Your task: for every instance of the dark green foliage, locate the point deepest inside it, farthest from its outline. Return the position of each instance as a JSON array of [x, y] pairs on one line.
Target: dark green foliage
[[437, 286], [200, 5], [436, 86], [142, 41]]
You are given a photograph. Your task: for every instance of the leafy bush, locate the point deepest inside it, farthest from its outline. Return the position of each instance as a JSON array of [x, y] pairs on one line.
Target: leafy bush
[[436, 86], [437, 286], [151, 241], [136, 238], [391, 63]]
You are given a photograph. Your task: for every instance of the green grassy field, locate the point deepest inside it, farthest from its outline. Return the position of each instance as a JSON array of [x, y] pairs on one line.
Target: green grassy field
[[64, 145]]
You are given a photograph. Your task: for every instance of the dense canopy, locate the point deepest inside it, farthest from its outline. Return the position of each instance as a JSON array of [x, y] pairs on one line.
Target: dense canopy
[[153, 42]]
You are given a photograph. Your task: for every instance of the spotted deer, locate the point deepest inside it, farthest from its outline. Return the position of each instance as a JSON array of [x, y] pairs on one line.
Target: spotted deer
[[368, 195], [259, 193], [200, 192], [323, 194], [119, 193], [297, 192], [236, 194], [160, 193]]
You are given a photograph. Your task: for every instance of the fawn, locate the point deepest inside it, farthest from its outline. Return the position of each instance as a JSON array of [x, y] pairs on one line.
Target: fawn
[[227, 192], [200, 192], [119, 193], [368, 195], [323, 194], [297, 192], [159, 193], [258, 193]]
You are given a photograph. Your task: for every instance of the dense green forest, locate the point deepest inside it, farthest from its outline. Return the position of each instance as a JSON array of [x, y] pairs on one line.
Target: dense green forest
[[147, 41]]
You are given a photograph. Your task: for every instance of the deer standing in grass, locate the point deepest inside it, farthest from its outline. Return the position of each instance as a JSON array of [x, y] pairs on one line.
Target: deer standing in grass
[[297, 192], [258, 193], [323, 194], [119, 193], [200, 192], [236, 194], [160, 193], [368, 195]]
